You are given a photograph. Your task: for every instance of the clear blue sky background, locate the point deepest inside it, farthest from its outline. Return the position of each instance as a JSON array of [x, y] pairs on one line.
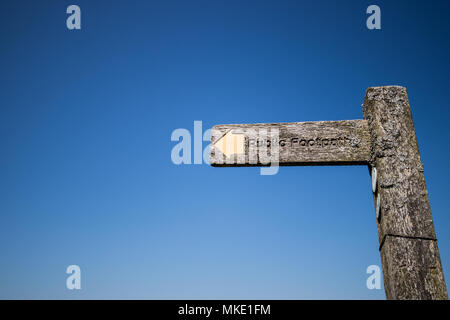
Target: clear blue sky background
[[86, 117]]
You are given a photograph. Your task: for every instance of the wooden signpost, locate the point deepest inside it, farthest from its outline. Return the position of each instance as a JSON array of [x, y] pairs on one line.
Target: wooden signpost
[[385, 141]]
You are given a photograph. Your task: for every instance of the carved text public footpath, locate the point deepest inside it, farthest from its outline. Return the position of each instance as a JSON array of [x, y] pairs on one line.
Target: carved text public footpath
[[309, 142]]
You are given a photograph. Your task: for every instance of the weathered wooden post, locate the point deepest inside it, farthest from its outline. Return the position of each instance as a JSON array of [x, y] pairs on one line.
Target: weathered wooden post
[[385, 141], [408, 246]]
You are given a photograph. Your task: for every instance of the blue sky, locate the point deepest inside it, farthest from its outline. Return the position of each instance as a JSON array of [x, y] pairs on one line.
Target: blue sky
[[86, 116]]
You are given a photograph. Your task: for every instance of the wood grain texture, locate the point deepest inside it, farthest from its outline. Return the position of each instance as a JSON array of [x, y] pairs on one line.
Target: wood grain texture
[[405, 226], [412, 269], [299, 143]]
